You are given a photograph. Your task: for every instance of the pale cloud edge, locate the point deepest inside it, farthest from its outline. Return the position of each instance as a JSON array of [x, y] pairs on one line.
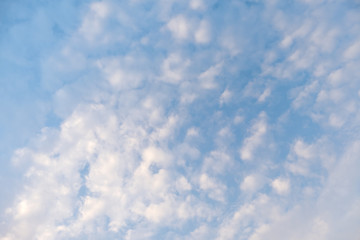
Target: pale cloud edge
[[181, 120]]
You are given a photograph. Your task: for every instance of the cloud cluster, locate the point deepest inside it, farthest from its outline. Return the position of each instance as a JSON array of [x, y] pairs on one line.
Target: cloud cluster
[[194, 120]]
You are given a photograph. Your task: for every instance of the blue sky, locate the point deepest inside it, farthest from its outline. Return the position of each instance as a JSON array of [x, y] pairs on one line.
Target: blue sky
[[178, 119]]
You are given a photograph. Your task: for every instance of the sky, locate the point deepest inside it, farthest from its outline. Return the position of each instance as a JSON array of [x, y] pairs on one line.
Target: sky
[[180, 119]]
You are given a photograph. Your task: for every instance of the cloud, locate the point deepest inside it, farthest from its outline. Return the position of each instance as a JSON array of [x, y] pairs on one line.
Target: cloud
[[353, 51], [119, 185], [251, 143], [245, 216], [120, 74], [92, 26], [281, 186], [320, 217], [214, 189], [217, 162], [255, 89], [252, 183], [264, 95], [225, 97], [202, 34], [179, 27], [181, 120], [173, 68], [307, 159], [207, 78], [197, 4]]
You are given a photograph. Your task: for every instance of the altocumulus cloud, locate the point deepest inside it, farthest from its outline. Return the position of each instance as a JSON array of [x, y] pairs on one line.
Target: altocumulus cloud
[[180, 120]]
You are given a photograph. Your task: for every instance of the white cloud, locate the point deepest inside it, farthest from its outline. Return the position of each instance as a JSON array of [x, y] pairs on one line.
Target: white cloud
[[215, 189], [225, 96], [238, 119], [173, 68], [217, 162], [302, 150], [192, 132], [302, 97], [159, 212], [286, 42], [182, 184], [91, 209], [257, 211], [154, 155], [353, 51], [229, 42], [197, 4], [92, 26], [180, 27], [330, 215], [281, 186], [264, 95], [256, 89], [336, 120], [89, 130], [225, 132], [119, 73], [166, 131], [100, 9], [252, 183], [306, 159], [144, 151], [202, 34], [208, 78], [187, 98], [336, 77], [251, 143], [201, 233]]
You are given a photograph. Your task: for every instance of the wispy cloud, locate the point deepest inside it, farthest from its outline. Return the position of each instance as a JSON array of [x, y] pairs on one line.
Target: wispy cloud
[[180, 120], [256, 138]]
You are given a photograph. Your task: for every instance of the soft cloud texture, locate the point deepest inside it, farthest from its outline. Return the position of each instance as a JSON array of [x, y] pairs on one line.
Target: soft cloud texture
[[180, 120]]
